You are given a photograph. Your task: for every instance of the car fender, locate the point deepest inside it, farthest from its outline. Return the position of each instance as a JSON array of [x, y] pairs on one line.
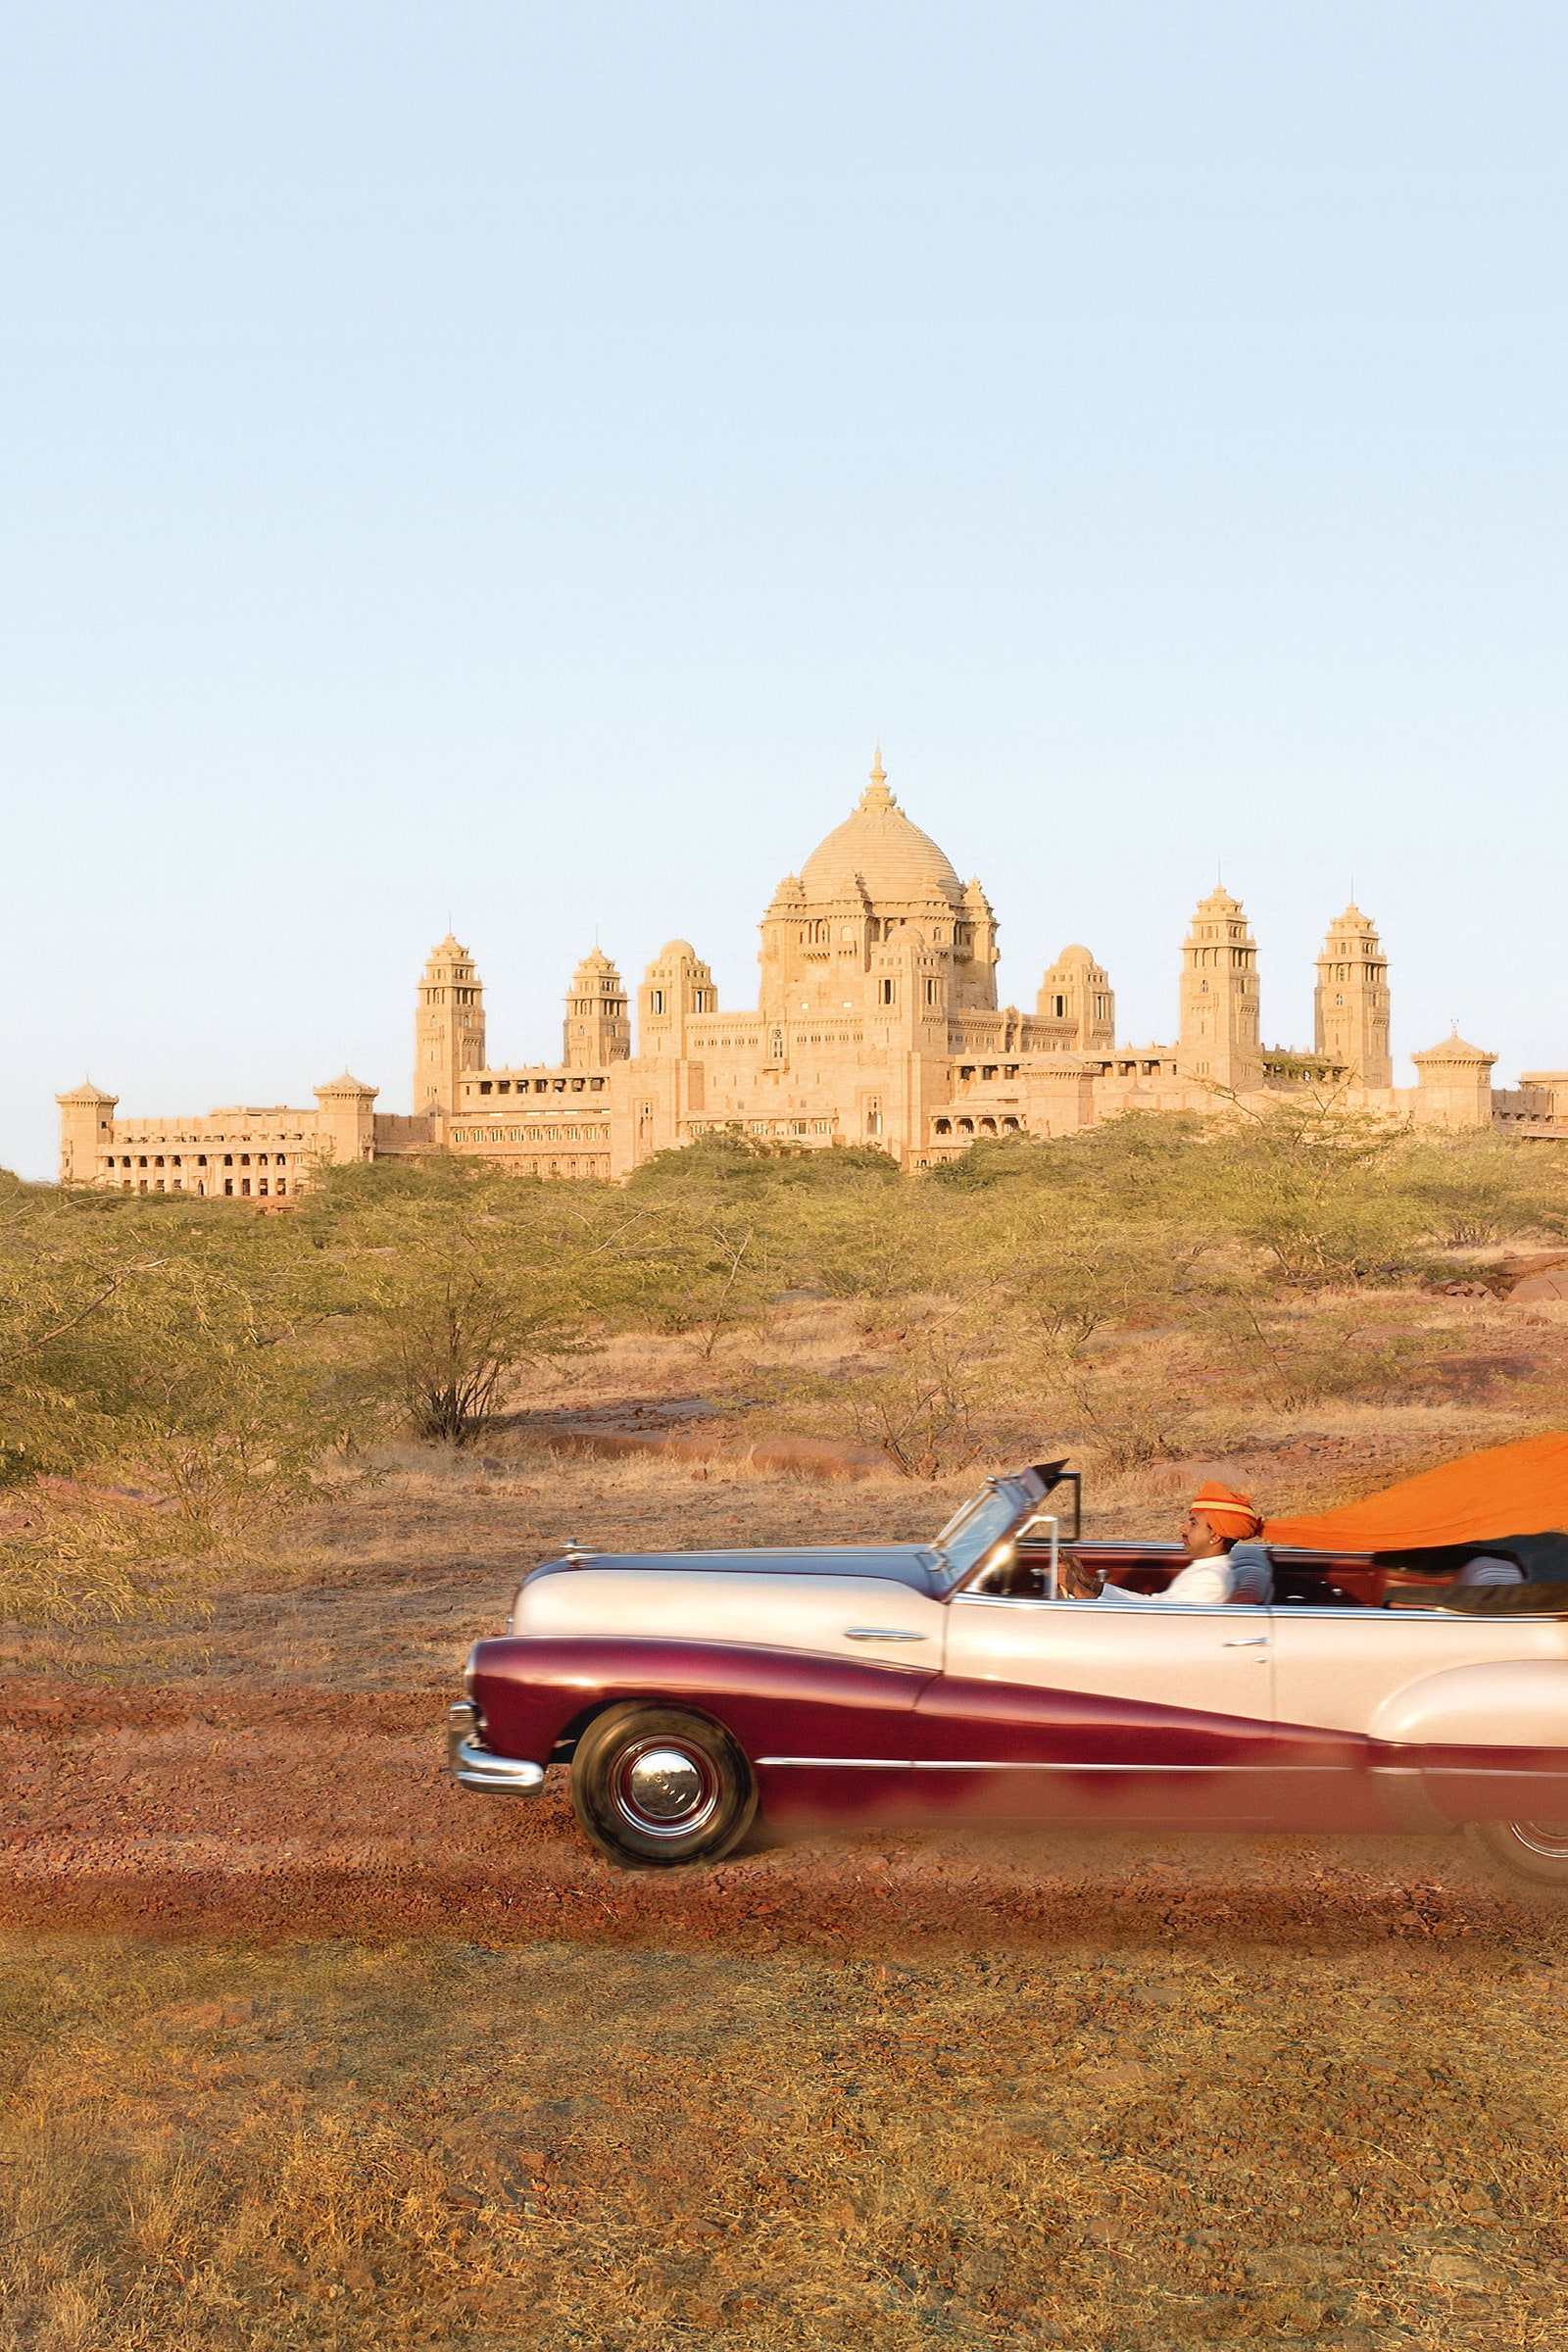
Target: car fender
[[1506, 1702], [531, 1687]]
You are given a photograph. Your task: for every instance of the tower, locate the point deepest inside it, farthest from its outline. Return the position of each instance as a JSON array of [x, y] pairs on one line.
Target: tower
[[1219, 1021], [448, 1027], [596, 1029], [345, 1120], [1350, 1004], [1454, 1084], [675, 984], [1076, 996], [86, 1131]]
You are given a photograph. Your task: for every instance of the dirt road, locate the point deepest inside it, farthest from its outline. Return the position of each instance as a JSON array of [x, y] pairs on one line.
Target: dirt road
[[238, 1810]]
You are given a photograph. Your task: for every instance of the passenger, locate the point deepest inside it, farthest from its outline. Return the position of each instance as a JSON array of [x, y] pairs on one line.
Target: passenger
[[1489, 1568]]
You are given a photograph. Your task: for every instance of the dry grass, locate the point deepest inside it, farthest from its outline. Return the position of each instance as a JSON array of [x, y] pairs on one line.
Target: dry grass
[[782, 2113], [1441, 1373], [623, 2150], [72, 1556]]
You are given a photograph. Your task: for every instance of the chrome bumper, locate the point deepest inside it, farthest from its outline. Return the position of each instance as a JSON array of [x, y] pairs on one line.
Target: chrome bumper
[[477, 1766]]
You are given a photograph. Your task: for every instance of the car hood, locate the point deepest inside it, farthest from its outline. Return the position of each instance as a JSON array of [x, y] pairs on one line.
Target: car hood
[[900, 1563]]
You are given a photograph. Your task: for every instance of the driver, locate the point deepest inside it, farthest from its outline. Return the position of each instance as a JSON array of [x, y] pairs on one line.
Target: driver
[[1225, 1563]]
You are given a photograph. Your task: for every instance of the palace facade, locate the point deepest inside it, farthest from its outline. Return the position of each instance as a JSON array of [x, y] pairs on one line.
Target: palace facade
[[877, 1022]]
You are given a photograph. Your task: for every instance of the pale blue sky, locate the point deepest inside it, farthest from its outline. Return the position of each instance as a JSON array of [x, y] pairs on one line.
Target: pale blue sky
[[509, 463]]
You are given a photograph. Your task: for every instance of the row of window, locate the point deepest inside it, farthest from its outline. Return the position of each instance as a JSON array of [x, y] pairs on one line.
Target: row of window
[[815, 1037], [820, 934], [1059, 1009], [279, 1159], [530, 1135], [539, 1086], [988, 1069], [658, 998], [790, 1127], [978, 1126], [586, 1165], [177, 1184]]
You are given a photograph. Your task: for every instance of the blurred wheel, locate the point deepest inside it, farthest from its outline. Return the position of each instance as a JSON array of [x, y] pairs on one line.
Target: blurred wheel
[[1537, 1850], [657, 1786]]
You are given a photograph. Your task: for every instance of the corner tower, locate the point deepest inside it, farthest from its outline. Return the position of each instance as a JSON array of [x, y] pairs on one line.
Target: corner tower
[[86, 1131], [1219, 1016], [448, 1027], [1350, 1004]]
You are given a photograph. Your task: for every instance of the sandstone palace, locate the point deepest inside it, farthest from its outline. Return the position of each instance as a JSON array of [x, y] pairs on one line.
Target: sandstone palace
[[877, 1023]]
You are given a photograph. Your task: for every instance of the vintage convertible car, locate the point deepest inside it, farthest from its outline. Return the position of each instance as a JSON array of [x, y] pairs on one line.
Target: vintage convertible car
[[693, 1693]]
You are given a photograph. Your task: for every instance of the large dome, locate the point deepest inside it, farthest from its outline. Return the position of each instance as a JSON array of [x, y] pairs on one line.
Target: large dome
[[878, 847]]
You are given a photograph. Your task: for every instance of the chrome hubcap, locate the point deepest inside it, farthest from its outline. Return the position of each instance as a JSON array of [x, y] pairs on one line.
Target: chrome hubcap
[[664, 1791], [1549, 1838]]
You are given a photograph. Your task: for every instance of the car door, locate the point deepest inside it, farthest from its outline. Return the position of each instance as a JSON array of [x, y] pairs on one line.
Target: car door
[[1338, 1668], [1081, 1710]]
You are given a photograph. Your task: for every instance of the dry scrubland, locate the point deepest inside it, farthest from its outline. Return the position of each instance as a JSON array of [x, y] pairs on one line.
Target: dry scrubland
[[303, 2047]]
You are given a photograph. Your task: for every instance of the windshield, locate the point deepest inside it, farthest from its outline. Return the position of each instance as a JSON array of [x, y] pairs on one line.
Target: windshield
[[969, 1535]]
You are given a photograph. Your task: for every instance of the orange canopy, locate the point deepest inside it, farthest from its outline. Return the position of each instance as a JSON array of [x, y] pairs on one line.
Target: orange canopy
[[1518, 1489]]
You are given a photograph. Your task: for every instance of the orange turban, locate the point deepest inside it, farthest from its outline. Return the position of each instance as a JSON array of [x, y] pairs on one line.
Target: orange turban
[[1228, 1511]]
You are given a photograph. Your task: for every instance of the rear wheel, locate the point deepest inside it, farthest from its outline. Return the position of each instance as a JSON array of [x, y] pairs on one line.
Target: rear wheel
[[654, 1785], [1537, 1850]]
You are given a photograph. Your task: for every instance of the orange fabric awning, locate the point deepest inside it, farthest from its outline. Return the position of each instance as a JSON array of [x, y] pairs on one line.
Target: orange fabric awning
[[1518, 1489]]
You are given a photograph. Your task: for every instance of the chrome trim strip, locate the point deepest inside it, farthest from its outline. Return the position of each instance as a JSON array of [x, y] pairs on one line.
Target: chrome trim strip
[[886, 1764], [956, 1766], [1228, 1609], [880, 1633]]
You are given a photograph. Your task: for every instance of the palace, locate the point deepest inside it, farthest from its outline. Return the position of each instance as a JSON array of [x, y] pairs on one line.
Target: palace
[[877, 1023]]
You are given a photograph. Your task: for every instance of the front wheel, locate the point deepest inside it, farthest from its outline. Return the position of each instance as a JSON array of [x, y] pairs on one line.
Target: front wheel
[[655, 1785], [1537, 1850]]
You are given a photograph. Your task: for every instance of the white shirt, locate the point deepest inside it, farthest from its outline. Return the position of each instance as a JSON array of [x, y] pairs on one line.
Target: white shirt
[[1201, 1585]]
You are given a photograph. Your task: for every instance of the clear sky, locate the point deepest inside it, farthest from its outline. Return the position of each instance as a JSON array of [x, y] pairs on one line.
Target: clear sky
[[501, 464]]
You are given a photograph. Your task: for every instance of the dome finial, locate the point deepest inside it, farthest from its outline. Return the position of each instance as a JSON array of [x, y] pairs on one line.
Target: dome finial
[[876, 794]]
